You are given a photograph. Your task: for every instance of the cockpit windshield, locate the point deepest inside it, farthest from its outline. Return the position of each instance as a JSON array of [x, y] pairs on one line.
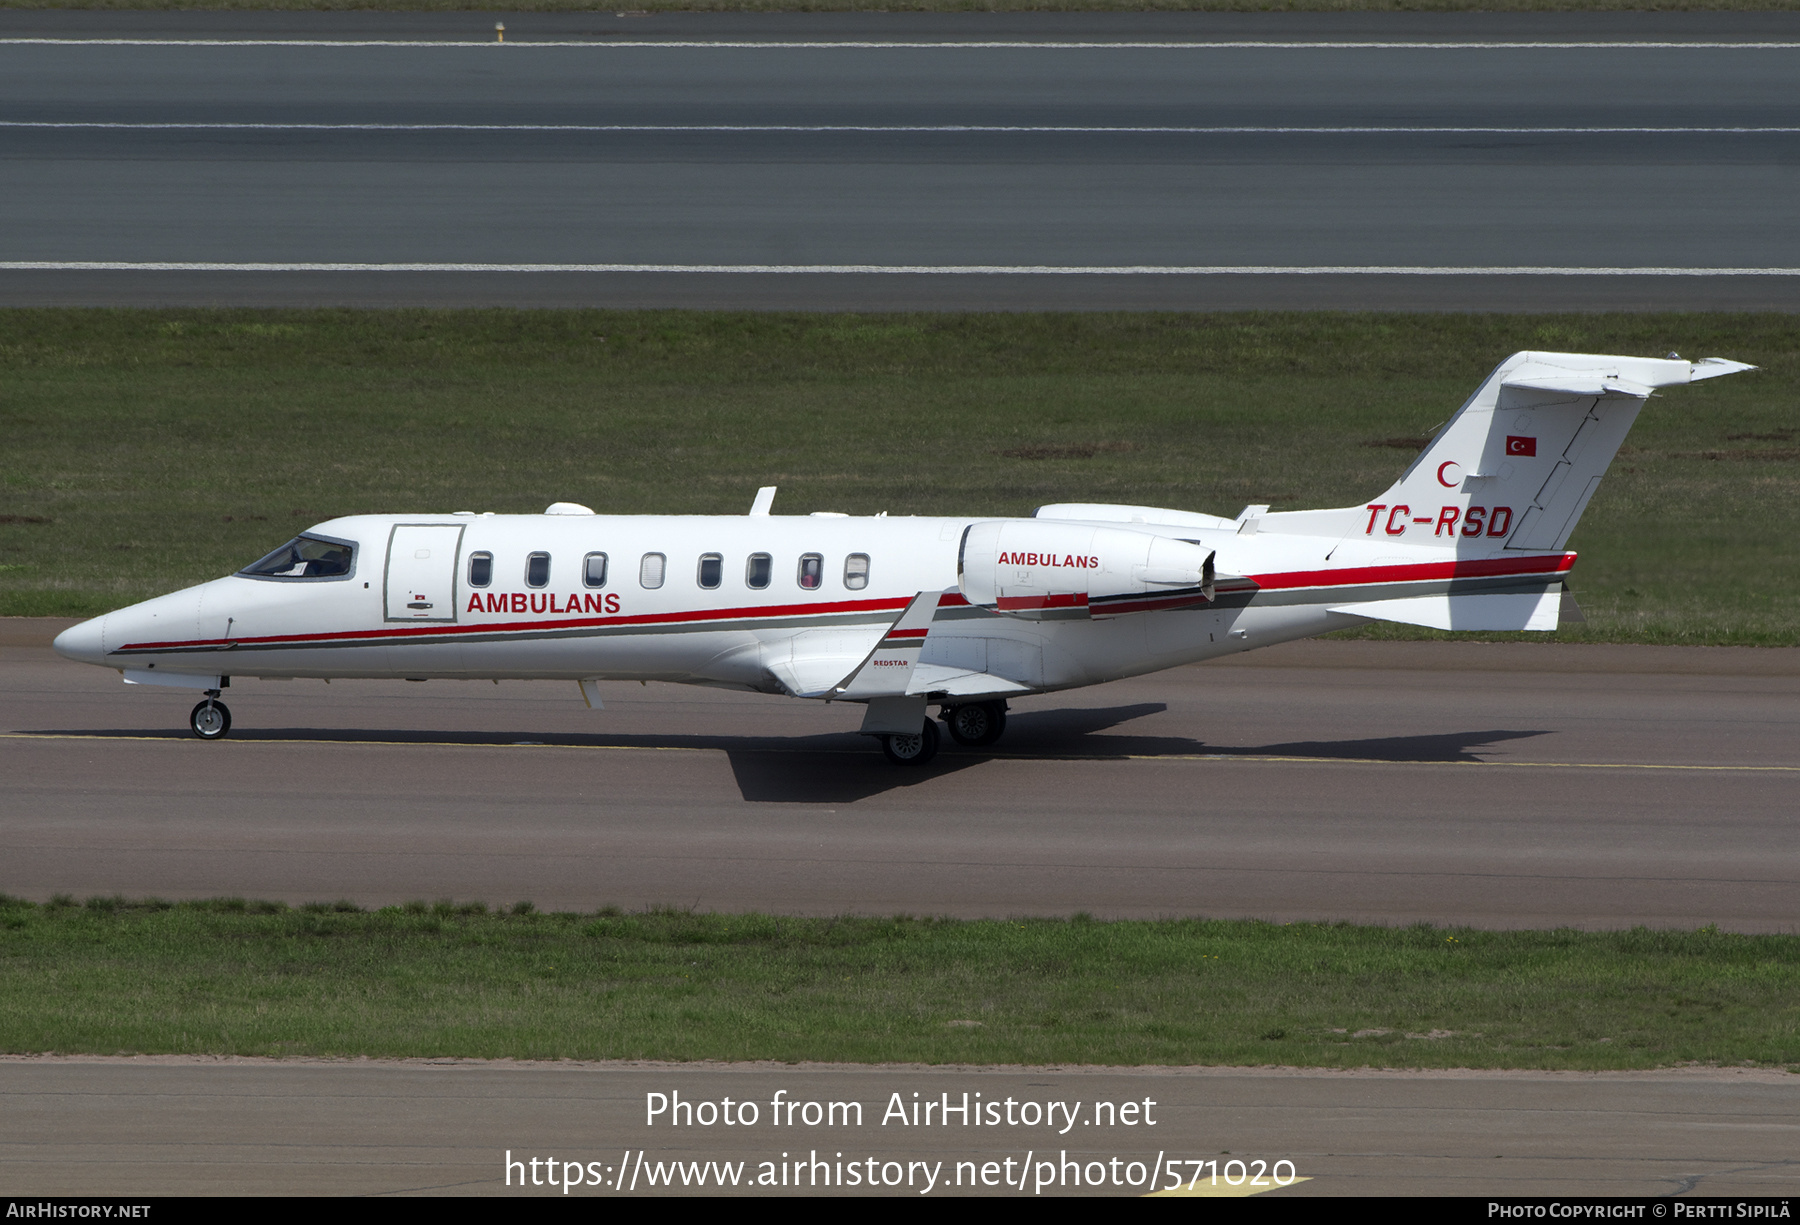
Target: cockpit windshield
[[305, 557]]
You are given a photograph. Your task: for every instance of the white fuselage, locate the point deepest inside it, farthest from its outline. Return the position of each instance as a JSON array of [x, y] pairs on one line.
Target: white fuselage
[[414, 603]]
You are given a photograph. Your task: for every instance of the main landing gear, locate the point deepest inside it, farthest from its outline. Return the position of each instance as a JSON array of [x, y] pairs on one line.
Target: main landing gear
[[211, 719], [975, 725], [912, 750]]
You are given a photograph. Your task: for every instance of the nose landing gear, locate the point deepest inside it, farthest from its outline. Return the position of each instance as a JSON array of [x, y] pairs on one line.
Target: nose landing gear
[[211, 719]]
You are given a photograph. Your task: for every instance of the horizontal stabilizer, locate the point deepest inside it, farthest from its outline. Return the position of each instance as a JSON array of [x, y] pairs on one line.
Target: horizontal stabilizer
[[1713, 367], [1590, 374], [1578, 383], [1501, 611]]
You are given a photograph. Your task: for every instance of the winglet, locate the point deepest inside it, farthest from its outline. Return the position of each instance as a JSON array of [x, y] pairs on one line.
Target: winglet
[[765, 498], [889, 667]]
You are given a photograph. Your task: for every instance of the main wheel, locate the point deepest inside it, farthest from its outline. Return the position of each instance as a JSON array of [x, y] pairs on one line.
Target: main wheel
[[912, 750], [976, 725], [210, 720]]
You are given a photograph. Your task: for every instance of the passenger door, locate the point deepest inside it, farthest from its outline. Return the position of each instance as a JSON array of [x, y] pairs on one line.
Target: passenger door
[[421, 572]]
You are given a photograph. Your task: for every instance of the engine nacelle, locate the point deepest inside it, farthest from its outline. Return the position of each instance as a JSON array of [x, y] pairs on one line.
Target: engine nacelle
[[1053, 571]]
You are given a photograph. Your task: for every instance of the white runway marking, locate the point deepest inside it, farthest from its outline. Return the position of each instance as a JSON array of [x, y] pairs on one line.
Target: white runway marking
[[900, 269], [952, 128], [874, 45]]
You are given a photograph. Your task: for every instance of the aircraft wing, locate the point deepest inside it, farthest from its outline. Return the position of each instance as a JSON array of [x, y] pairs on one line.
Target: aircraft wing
[[887, 669], [813, 676], [866, 662], [885, 663], [960, 682]]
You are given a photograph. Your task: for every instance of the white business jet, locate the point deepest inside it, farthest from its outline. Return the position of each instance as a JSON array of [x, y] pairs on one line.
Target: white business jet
[[901, 614]]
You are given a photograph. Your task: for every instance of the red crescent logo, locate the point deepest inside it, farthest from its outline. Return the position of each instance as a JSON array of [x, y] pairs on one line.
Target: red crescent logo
[[1449, 463]]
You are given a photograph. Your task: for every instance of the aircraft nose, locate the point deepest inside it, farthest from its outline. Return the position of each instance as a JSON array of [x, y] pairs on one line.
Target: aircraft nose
[[84, 643]]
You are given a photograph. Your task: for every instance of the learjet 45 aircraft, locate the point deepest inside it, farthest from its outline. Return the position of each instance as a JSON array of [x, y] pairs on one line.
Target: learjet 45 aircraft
[[902, 614]]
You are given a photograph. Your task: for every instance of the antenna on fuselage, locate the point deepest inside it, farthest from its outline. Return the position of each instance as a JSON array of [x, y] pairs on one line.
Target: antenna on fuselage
[[765, 498]]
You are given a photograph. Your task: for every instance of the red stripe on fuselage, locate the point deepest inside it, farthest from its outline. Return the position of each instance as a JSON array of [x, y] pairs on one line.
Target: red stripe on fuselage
[[1148, 602], [1422, 572], [1362, 576], [439, 630]]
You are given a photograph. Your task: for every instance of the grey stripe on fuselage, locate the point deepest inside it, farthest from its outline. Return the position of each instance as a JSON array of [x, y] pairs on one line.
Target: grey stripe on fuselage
[[574, 631], [1226, 601]]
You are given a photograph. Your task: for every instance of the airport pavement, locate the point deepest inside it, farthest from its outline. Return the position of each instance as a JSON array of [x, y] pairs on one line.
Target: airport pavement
[[1614, 141], [182, 1126], [1509, 785], [1515, 785], [1771, 25]]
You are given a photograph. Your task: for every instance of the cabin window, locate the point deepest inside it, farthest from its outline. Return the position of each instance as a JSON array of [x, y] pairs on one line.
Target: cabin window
[[593, 570], [650, 571], [856, 571], [306, 557], [812, 571], [537, 570], [712, 569], [481, 569], [758, 570]]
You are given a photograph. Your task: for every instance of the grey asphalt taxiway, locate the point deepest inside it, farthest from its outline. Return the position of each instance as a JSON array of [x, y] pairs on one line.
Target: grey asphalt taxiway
[[1497, 161], [1503, 785], [1494, 785], [174, 1126]]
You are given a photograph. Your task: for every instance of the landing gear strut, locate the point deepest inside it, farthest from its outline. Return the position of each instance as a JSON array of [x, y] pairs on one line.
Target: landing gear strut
[[912, 750], [977, 724], [211, 719]]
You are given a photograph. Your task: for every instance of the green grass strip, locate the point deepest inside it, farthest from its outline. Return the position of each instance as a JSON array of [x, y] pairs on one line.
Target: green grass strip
[[236, 978], [149, 450]]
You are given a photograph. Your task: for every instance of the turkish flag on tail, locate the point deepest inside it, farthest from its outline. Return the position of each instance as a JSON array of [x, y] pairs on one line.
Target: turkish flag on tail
[[1520, 446]]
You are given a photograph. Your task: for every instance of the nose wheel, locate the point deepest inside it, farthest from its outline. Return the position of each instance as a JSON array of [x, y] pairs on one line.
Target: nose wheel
[[211, 719]]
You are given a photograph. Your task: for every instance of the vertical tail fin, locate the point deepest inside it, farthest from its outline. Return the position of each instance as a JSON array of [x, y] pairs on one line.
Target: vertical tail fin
[[1518, 463]]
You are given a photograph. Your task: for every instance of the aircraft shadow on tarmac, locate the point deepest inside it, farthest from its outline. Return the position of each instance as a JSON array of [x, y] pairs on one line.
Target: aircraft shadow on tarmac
[[842, 768], [1075, 733], [802, 777]]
